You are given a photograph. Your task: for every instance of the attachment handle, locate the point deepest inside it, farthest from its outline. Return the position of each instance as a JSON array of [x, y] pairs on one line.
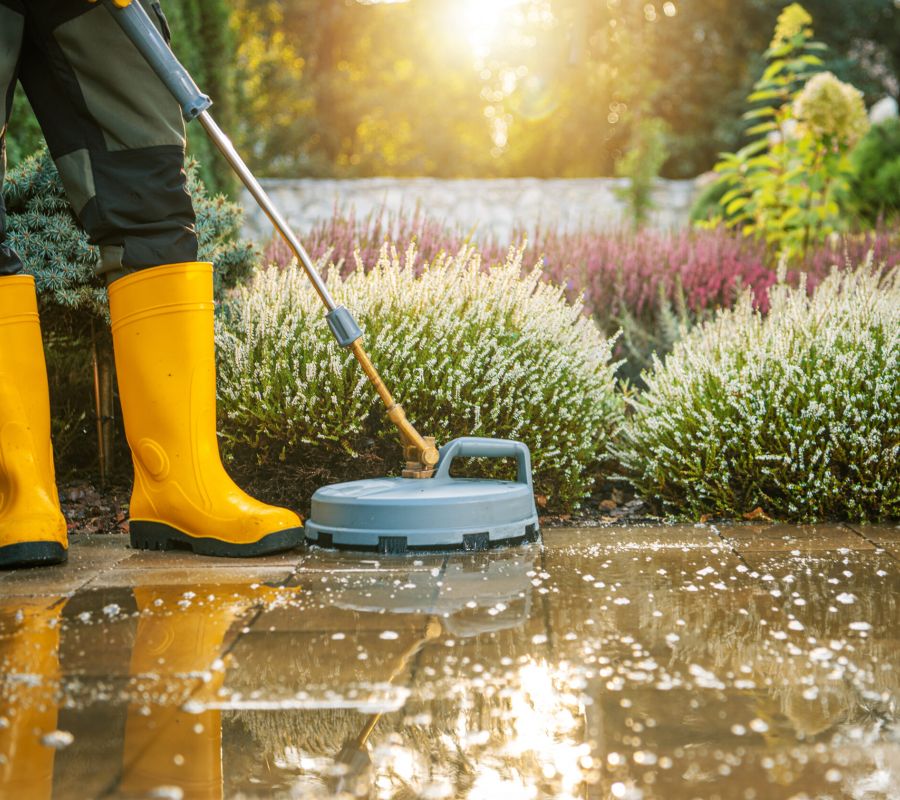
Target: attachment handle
[[138, 26], [482, 447]]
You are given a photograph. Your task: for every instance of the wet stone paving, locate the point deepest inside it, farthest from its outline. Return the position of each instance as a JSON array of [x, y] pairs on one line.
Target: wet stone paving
[[757, 662]]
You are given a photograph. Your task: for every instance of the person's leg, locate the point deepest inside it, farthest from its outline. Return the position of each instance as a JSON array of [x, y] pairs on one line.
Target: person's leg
[[118, 139], [115, 134], [12, 23], [32, 529]]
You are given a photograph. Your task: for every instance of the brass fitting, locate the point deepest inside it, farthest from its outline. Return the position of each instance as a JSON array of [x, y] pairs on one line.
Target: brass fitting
[[419, 452]]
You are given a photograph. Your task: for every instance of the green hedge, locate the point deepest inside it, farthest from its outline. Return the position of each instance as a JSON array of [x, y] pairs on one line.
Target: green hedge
[[797, 412], [874, 188]]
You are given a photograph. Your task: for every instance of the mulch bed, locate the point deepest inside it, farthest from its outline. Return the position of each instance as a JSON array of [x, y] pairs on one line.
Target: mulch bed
[[89, 510]]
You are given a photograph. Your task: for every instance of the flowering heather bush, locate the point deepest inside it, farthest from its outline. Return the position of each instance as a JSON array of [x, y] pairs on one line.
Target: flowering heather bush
[[623, 270], [881, 246], [347, 240], [651, 284], [616, 270], [648, 283], [796, 412], [620, 272], [470, 351]]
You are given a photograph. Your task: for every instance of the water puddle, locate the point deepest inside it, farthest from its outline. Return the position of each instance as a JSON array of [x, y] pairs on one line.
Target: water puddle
[[635, 663]]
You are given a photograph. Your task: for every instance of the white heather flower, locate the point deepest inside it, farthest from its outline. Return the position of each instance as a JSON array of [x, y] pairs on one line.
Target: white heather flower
[[796, 412], [467, 350]]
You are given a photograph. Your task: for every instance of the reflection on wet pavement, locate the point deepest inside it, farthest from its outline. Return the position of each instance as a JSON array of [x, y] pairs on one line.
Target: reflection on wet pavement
[[646, 662]]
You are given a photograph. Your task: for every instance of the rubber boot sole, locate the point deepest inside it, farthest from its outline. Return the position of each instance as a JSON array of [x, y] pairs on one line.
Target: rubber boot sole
[[32, 554], [147, 535]]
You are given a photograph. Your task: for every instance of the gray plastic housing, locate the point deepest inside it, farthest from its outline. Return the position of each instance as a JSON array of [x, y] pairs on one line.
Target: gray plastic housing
[[138, 26], [343, 326], [395, 515]]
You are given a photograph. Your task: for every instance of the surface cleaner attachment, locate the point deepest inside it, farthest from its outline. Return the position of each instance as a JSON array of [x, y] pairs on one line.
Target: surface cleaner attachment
[[426, 509], [399, 515]]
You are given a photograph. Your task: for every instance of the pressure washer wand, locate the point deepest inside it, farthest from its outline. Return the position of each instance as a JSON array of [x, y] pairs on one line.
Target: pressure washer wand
[[354, 755], [420, 452]]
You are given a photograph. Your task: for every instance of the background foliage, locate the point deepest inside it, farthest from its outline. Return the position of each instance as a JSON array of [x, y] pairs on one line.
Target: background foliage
[[874, 190], [782, 186], [796, 412], [552, 89], [543, 87], [206, 43]]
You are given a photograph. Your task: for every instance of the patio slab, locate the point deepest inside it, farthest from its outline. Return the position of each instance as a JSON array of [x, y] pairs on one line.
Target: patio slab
[[90, 555], [883, 536], [750, 540], [624, 662]]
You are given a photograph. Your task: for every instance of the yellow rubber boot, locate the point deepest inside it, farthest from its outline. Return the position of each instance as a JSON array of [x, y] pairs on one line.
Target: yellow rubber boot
[[177, 641], [29, 662], [32, 528], [162, 325]]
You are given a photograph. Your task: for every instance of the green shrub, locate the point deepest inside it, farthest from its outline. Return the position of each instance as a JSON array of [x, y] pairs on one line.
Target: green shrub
[[640, 341], [796, 412], [469, 351], [44, 231], [646, 154], [782, 185], [874, 190]]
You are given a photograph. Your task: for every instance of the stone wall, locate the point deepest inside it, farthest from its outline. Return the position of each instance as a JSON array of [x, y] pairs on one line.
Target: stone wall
[[486, 207]]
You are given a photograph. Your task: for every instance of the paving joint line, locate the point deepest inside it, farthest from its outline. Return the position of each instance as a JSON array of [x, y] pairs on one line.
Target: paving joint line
[[874, 544], [102, 571], [731, 547]]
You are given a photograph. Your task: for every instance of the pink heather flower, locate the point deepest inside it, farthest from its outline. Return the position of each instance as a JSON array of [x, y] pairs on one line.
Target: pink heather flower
[[617, 271]]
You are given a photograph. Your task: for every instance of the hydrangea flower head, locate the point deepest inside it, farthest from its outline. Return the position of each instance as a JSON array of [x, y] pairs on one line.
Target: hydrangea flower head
[[832, 110]]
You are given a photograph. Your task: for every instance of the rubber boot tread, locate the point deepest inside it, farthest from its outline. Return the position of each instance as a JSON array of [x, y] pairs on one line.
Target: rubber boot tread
[[32, 554], [149, 535]]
